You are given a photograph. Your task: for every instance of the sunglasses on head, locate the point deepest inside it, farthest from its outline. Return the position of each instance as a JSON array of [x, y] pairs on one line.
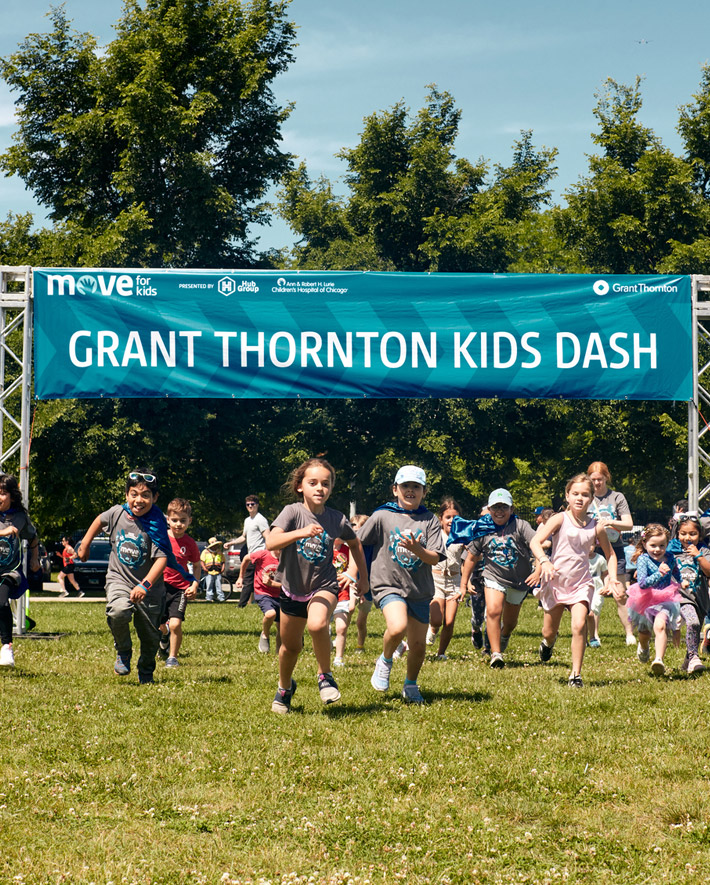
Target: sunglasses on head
[[145, 477]]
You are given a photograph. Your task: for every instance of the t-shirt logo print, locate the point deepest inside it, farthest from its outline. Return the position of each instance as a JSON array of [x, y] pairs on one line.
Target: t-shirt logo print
[[314, 549], [401, 555], [9, 549], [502, 551], [131, 549]]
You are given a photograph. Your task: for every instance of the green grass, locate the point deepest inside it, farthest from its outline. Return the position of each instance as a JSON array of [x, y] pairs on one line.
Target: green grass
[[504, 777]]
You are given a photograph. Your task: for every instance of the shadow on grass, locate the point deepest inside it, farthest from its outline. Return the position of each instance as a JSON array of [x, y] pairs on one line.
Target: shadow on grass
[[393, 702]]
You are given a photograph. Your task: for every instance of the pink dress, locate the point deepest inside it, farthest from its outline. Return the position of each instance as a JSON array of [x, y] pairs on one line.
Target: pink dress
[[570, 556]]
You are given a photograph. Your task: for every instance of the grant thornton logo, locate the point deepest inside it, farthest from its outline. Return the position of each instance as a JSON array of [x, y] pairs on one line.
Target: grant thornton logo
[[601, 287]]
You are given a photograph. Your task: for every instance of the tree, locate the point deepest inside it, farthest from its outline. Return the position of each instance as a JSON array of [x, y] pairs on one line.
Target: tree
[[157, 151]]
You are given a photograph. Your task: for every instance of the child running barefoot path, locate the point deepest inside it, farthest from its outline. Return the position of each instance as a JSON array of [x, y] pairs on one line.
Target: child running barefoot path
[[304, 533], [407, 541], [566, 580]]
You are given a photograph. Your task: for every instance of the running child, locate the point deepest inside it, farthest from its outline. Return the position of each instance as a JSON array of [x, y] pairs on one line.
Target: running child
[[347, 598], [15, 526], [267, 591], [134, 580], [599, 572], [406, 541], [304, 532], [67, 572], [654, 600], [503, 540], [693, 559], [447, 580], [566, 579], [364, 603], [179, 590]]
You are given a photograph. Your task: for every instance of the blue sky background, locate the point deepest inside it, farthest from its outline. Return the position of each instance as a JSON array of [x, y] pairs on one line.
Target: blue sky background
[[511, 65]]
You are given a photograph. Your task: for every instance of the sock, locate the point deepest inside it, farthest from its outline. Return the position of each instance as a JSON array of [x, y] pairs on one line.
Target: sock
[[410, 681], [387, 660]]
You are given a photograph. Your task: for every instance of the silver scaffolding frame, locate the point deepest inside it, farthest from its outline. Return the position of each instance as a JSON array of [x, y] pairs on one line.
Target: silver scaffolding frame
[[697, 455], [16, 382]]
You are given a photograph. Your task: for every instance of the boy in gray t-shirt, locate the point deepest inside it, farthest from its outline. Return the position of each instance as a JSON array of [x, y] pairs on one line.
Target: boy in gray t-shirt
[[507, 571], [134, 582], [407, 541]]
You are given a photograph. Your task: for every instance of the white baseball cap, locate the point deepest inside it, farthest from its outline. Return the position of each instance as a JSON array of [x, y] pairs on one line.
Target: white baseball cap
[[410, 473], [500, 496]]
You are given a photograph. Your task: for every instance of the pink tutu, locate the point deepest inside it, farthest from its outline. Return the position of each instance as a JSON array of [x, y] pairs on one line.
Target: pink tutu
[[645, 603]]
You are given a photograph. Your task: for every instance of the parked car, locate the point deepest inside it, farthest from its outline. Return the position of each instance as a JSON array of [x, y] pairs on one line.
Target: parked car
[[91, 575]]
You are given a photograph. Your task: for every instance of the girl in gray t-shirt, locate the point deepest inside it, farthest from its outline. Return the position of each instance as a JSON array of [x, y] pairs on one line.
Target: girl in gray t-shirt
[[304, 533]]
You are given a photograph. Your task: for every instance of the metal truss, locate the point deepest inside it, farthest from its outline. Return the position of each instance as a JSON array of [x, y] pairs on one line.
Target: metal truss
[[697, 454]]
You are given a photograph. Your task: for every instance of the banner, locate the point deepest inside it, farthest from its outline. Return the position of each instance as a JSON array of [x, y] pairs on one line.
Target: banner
[[286, 334]]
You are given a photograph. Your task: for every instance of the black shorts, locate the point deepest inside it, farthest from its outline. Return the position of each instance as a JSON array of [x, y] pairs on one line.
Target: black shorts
[[68, 569], [175, 604], [297, 608]]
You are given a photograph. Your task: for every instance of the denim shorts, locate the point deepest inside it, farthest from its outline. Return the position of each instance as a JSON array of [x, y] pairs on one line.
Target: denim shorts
[[416, 608]]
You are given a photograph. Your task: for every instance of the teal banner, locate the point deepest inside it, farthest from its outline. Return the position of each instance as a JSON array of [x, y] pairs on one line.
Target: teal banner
[[286, 334]]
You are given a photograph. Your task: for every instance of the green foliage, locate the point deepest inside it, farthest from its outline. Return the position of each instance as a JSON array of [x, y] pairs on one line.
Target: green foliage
[[156, 151]]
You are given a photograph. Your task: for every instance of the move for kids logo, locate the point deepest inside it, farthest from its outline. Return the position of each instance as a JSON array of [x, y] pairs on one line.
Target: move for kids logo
[[402, 555], [9, 552], [100, 284], [502, 551], [131, 549], [314, 549]]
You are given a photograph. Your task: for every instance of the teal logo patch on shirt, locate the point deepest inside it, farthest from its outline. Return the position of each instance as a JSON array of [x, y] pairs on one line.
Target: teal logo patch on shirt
[[131, 549], [9, 552], [315, 549], [502, 551], [401, 555]]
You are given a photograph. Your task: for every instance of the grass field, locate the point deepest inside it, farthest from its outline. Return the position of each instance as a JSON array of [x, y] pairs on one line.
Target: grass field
[[505, 776]]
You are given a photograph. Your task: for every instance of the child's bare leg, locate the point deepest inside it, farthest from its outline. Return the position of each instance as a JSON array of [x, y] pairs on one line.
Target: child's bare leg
[[447, 631], [395, 614], [363, 610], [622, 610], [494, 609], [579, 635], [644, 639], [551, 624], [320, 611], [593, 625], [660, 623], [175, 636], [342, 621], [267, 622], [291, 644], [416, 639], [511, 613], [436, 615]]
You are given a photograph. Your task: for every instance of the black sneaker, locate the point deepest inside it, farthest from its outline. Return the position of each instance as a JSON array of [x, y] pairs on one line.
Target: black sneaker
[[328, 688], [575, 681], [145, 678], [477, 638], [545, 652], [164, 647], [282, 699]]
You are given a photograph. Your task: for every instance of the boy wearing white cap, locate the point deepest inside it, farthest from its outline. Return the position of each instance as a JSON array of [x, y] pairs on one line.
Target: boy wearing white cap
[[507, 572], [407, 541]]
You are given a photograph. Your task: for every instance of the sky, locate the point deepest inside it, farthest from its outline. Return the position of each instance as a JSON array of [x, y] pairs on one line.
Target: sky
[[510, 65]]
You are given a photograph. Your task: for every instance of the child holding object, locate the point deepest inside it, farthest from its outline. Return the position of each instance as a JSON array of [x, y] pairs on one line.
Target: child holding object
[[305, 532], [406, 541], [654, 600], [566, 582]]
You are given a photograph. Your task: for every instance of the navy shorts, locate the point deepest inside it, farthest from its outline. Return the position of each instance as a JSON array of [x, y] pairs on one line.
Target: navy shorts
[[268, 604]]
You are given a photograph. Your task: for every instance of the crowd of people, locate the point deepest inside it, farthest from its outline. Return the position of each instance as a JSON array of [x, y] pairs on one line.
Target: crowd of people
[[312, 567]]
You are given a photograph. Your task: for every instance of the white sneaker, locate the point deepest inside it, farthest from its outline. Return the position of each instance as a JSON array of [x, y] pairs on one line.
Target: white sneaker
[[338, 662], [400, 651], [380, 679], [430, 636], [695, 665], [643, 654], [658, 668], [264, 644], [630, 639], [497, 662], [412, 695], [7, 658], [441, 658]]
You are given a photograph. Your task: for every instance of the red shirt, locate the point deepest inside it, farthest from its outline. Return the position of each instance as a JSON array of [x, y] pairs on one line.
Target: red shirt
[[185, 551], [265, 563], [341, 561]]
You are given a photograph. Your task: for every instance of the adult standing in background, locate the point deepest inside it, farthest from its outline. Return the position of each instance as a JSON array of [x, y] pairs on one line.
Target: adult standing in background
[[212, 560], [256, 528], [611, 509]]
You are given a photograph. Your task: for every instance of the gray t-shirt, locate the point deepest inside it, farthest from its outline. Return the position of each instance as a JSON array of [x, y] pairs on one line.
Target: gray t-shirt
[[613, 506], [132, 551], [10, 546], [394, 568], [506, 553], [254, 528], [306, 566]]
